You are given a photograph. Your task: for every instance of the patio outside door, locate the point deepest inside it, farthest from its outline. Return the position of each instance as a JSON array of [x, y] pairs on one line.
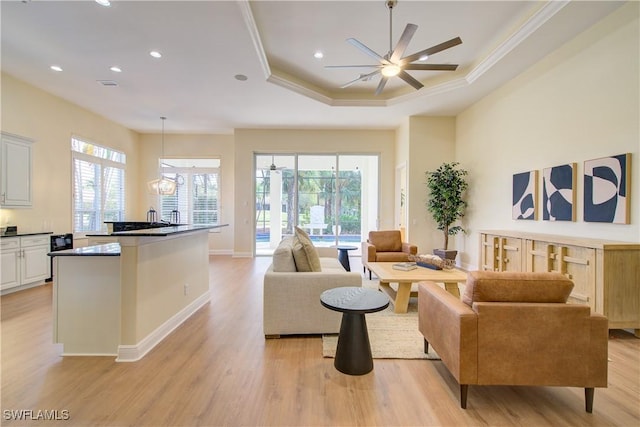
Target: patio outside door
[[334, 198]]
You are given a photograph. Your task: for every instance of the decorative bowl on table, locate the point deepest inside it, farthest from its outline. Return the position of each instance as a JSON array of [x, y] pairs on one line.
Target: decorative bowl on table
[[433, 262]]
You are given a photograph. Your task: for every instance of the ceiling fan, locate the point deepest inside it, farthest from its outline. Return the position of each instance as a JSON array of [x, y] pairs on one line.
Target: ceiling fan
[[273, 166], [393, 63]]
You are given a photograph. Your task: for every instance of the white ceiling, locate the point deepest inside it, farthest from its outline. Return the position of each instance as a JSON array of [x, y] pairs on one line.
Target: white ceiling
[[206, 43]]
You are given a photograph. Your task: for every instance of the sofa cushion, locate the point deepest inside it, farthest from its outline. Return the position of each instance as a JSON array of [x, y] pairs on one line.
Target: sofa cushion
[[491, 286], [283, 256], [386, 241], [331, 265], [304, 253]]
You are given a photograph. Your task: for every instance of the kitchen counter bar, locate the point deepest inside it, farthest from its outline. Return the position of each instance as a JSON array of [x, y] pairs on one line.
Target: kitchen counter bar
[[109, 249], [105, 304], [20, 234], [165, 231]]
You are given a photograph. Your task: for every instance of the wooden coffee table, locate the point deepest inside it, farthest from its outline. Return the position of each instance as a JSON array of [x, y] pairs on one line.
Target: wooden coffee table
[[404, 279]]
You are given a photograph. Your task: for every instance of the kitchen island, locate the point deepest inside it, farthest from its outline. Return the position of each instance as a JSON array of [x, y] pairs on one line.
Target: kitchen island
[[123, 298]]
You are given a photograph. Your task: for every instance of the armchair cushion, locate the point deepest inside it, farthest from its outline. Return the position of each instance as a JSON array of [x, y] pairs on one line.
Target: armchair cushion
[[386, 241], [490, 286]]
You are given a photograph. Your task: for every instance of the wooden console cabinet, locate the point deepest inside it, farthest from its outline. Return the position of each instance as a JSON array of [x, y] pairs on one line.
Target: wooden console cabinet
[[606, 274]]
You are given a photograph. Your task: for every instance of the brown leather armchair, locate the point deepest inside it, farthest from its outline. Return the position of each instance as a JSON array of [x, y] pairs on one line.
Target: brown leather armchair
[[515, 329], [386, 246]]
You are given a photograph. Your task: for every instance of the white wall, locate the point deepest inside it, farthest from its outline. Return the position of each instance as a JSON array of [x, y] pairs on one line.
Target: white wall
[[579, 103]]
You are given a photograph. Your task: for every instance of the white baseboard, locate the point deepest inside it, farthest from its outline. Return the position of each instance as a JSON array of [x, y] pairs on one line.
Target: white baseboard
[[242, 255], [87, 354], [221, 252], [132, 353], [22, 287]]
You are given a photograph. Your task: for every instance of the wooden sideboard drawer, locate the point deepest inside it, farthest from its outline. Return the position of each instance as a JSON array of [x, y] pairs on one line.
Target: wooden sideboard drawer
[[606, 274]]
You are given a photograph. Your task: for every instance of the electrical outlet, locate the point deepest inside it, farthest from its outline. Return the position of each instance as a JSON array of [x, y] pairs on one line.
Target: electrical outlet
[[186, 289]]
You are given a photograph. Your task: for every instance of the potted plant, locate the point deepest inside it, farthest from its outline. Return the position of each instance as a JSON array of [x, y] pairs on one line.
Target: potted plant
[[446, 186]]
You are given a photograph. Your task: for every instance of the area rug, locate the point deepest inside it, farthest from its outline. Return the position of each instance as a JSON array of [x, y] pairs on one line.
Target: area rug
[[391, 335]]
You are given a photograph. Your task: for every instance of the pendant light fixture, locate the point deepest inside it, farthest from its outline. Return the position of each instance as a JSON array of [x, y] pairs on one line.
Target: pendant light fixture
[[163, 185]]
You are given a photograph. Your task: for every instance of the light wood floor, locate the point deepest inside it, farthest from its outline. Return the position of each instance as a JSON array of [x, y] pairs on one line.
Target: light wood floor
[[217, 369]]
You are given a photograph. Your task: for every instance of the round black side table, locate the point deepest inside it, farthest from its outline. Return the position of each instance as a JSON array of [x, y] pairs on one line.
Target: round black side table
[[343, 255], [353, 354]]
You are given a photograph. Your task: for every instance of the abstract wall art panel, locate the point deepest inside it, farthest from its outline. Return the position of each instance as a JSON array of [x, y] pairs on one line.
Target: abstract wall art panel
[[524, 195], [606, 189], [559, 193]]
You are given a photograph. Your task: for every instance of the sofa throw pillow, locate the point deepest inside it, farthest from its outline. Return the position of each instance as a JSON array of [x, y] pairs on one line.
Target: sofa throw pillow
[[491, 286], [304, 253], [283, 261]]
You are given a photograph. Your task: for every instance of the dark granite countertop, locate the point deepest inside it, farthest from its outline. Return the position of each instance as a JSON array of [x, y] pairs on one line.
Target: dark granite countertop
[[165, 231], [20, 233], [109, 249]]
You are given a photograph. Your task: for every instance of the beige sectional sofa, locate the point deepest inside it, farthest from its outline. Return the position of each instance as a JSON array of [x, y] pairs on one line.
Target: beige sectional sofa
[[292, 297]]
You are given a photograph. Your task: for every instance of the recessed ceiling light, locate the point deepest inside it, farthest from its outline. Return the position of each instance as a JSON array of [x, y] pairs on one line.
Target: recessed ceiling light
[[241, 77], [155, 54], [116, 69], [56, 68], [105, 3], [318, 55], [423, 58]]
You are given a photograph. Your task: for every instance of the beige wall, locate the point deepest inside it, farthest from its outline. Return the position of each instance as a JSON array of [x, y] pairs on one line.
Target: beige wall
[[432, 142], [192, 146], [579, 103], [51, 121], [423, 144], [249, 141]]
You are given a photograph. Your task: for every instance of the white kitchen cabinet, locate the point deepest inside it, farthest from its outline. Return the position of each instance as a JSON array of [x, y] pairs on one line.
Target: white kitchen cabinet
[[35, 264], [24, 261], [16, 174], [10, 263]]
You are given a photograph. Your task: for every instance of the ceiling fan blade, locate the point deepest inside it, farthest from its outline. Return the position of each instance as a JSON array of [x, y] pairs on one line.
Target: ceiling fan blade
[[366, 50], [432, 50], [363, 77], [407, 78], [433, 67], [383, 81], [403, 43], [353, 66]]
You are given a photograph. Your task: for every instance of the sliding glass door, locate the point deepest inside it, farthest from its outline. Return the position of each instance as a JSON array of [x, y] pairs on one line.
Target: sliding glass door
[[274, 200], [333, 197]]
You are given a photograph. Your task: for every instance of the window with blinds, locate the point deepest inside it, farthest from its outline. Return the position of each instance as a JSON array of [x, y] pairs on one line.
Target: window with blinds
[[98, 186], [196, 200]]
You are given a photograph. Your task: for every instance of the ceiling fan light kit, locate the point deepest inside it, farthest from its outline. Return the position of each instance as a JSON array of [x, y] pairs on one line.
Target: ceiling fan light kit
[[394, 63]]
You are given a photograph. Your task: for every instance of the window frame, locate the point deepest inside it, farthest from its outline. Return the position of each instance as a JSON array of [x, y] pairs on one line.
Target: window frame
[[188, 172], [103, 163]]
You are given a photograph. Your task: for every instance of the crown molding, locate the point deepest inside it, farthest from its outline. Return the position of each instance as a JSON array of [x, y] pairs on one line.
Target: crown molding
[[526, 30], [529, 27]]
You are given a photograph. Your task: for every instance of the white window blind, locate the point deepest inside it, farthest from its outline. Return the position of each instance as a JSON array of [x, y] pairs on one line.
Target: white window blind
[[196, 200], [98, 186]]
